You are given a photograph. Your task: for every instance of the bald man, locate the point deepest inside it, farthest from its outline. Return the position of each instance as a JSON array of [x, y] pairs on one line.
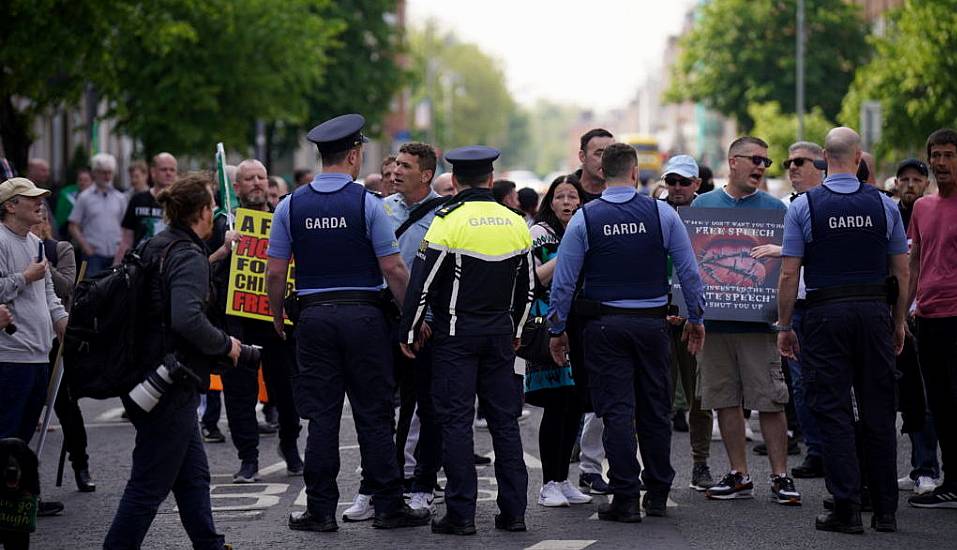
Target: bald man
[[38, 171], [444, 185], [144, 216], [374, 183], [850, 239], [241, 385]]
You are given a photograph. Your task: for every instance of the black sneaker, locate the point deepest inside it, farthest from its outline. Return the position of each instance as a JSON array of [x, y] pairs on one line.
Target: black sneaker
[[247, 473], [941, 497], [701, 479], [213, 435], [812, 467], [783, 491], [733, 485], [47, 508], [679, 423], [481, 460], [593, 484], [290, 453]]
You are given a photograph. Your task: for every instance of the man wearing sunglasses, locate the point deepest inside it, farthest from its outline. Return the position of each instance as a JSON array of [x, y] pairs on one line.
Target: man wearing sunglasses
[[681, 177], [739, 363]]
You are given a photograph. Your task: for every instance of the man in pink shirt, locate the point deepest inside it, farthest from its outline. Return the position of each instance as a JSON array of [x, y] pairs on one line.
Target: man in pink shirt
[[933, 263]]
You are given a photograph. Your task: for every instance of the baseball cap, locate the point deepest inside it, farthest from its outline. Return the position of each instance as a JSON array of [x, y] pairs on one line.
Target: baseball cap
[[912, 163], [683, 165], [20, 186]]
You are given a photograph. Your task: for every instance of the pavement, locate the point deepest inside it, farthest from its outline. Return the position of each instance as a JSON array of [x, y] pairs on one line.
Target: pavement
[[255, 515]]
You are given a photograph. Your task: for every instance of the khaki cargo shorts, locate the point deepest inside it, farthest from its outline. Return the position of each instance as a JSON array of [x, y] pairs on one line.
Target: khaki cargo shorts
[[742, 368]]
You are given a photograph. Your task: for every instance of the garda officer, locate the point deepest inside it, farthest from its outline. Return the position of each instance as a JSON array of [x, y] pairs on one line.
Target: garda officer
[[343, 245], [474, 270], [620, 245], [850, 238]]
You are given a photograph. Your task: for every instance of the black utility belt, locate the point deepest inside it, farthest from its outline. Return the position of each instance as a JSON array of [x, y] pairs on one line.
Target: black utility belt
[[853, 293], [591, 309], [342, 297]]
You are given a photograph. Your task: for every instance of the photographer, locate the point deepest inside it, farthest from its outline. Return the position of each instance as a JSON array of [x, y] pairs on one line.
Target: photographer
[[169, 454]]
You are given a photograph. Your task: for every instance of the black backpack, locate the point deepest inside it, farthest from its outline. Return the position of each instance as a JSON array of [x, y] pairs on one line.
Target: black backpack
[[101, 351]]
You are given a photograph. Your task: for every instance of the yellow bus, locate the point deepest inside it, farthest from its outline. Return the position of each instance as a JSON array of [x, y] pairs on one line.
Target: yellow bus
[[649, 157]]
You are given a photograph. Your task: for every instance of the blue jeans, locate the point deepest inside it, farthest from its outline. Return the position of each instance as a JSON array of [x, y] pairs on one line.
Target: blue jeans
[[95, 264], [923, 453], [22, 395], [812, 436]]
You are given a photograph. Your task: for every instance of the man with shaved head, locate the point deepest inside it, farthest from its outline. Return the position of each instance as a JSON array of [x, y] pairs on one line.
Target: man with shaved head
[[241, 386], [443, 185], [850, 239], [144, 216]]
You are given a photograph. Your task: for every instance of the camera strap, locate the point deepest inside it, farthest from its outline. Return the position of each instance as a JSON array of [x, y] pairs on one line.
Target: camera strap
[[166, 319]]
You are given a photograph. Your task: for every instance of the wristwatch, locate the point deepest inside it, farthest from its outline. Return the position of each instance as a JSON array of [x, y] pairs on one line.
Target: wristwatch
[[781, 328]]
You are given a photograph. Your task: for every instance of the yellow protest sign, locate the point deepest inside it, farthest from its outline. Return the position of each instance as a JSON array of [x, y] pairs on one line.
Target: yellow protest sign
[[247, 296]]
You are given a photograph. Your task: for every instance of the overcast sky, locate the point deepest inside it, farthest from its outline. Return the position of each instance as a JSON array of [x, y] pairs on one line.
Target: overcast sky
[[562, 49]]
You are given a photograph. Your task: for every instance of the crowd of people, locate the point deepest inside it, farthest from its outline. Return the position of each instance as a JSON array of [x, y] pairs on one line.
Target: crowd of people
[[415, 292]]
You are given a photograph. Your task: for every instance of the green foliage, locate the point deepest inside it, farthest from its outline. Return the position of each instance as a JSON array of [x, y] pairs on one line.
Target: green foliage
[[743, 51], [911, 75], [780, 130], [471, 103], [186, 74]]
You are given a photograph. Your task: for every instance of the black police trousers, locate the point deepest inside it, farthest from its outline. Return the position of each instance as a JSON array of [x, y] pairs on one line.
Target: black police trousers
[[629, 366], [463, 367], [241, 393], [345, 349], [850, 345], [168, 456]]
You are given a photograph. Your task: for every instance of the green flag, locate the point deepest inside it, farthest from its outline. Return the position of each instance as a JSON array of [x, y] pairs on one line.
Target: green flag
[[227, 195]]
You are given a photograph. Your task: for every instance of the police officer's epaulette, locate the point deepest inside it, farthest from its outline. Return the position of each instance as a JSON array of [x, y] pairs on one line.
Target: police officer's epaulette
[[448, 208]]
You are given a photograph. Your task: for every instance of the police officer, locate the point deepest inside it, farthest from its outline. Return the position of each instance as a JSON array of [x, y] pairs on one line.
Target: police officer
[[241, 386], [343, 245], [620, 245], [474, 270], [850, 238]]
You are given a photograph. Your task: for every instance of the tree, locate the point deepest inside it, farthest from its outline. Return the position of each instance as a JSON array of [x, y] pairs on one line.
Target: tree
[[45, 61], [185, 74], [743, 51], [466, 88], [780, 130], [911, 75]]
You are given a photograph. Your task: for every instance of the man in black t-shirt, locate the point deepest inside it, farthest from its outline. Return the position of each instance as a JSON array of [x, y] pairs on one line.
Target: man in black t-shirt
[[144, 216]]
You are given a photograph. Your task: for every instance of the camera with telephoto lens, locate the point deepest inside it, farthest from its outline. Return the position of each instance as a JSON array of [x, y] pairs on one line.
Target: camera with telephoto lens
[[147, 393], [249, 356]]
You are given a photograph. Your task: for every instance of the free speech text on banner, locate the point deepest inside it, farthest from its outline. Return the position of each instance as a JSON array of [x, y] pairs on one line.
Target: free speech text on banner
[[737, 287], [247, 295]]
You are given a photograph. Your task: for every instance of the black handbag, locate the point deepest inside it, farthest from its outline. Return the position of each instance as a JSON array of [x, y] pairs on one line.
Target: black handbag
[[534, 344]]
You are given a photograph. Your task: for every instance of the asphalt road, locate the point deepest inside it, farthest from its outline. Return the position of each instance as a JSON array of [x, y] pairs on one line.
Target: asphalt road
[[254, 516]]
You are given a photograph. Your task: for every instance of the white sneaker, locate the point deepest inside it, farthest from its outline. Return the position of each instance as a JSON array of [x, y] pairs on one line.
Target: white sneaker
[[572, 494], [551, 495], [748, 432], [422, 501], [905, 483], [360, 510], [924, 485]]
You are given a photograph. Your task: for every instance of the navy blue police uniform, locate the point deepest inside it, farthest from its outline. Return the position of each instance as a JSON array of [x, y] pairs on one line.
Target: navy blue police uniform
[[845, 231], [474, 271], [337, 233], [618, 246]]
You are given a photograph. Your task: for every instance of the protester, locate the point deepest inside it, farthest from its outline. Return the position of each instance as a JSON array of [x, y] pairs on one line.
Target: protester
[[373, 183], [505, 193], [241, 386], [38, 171], [739, 363], [707, 179], [443, 185], [278, 188], [388, 176], [139, 177], [144, 217], [682, 181], [549, 385], [932, 286], [95, 219], [593, 144], [302, 176], [850, 239], [528, 204], [27, 289], [66, 199], [168, 454]]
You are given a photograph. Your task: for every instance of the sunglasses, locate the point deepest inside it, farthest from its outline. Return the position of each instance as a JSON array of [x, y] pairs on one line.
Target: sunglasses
[[671, 181], [756, 159], [797, 161]]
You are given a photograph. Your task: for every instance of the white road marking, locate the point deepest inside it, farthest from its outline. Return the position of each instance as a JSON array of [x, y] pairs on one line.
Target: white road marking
[[562, 545], [114, 413]]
